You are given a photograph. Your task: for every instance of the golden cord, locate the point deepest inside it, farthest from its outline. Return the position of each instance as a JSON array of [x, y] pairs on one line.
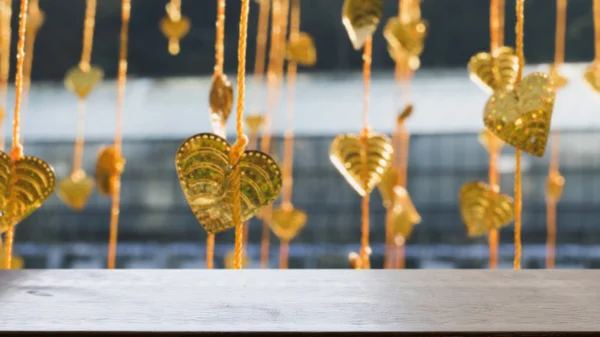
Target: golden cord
[[520, 9], [496, 23], [210, 251], [220, 38], [284, 251], [240, 144], [597, 30], [79, 140], [261, 48], [115, 180], [5, 35], [561, 23], [551, 204], [365, 249]]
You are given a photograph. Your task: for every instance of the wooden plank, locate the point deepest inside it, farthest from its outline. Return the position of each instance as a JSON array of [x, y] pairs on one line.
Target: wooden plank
[[178, 301]]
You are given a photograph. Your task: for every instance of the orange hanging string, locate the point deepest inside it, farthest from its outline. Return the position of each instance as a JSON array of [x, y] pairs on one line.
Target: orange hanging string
[[551, 204], [365, 250], [5, 35], [561, 23], [261, 48], [520, 11], [279, 13], [210, 251], [220, 38], [496, 41], [238, 147], [79, 140], [284, 249], [115, 180], [597, 30], [17, 148]]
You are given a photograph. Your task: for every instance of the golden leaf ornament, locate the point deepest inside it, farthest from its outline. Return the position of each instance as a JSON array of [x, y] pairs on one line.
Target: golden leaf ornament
[[556, 77], [110, 164], [408, 37], [221, 101], [521, 116], [496, 70], [81, 82], [592, 77], [554, 186], [254, 122], [302, 50], [389, 180], [24, 186], [360, 18], [202, 163], [287, 222], [175, 29], [483, 208], [346, 154], [75, 190], [404, 215]]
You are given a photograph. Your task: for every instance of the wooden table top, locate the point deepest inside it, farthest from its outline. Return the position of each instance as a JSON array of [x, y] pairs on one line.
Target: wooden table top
[[172, 302]]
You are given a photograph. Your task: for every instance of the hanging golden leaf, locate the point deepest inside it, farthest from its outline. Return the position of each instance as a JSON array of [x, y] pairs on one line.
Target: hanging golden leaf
[[401, 57], [202, 164], [345, 154], [496, 70], [521, 117], [408, 37], [592, 77], [80, 82], [302, 50], [556, 77], [389, 180], [254, 122], [221, 100], [24, 186], [404, 215], [361, 17], [174, 30], [554, 187], [110, 164], [286, 223], [483, 208], [75, 190], [489, 141]]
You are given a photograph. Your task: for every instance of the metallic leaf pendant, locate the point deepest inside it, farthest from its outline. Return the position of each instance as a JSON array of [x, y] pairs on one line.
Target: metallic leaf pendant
[[174, 31], [494, 71], [489, 141], [302, 50], [389, 180], [592, 77], [286, 223], [557, 78], [75, 190], [24, 186], [554, 187], [202, 163], [221, 102], [483, 208], [230, 257], [521, 116], [406, 37], [346, 155], [413, 62], [83, 82], [404, 215], [361, 17], [109, 164], [254, 122]]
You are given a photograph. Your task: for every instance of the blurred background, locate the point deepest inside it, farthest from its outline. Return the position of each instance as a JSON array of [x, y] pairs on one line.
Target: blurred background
[[167, 101]]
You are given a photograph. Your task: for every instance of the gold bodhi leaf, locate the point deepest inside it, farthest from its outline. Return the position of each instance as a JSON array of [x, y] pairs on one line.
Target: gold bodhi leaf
[[174, 29], [408, 37], [202, 163], [521, 116], [360, 18], [554, 186], [302, 50], [404, 215], [346, 155], [254, 122], [286, 223], [389, 180], [75, 190], [109, 165], [82, 82], [24, 186], [592, 77], [495, 70], [220, 100], [557, 78], [483, 208]]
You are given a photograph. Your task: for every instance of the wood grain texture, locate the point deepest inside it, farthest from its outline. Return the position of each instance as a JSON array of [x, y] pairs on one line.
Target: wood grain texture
[[176, 301]]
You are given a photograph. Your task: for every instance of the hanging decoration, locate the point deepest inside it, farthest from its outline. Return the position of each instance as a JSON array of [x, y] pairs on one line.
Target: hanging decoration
[[279, 14], [287, 221], [226, 185], [81, 80], [592, 73], [110, 163], [521, 117], [25, 181], [35, 20], [221, 91], [405, 35], [555, 181], [5, 36], [174, 26], [362, 159]]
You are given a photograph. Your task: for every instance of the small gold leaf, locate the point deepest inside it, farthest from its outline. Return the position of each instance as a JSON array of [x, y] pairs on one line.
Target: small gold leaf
[[361, 17], [83, 82]]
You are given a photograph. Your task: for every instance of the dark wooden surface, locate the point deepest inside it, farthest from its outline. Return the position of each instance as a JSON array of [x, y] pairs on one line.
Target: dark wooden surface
[[444, 303]]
